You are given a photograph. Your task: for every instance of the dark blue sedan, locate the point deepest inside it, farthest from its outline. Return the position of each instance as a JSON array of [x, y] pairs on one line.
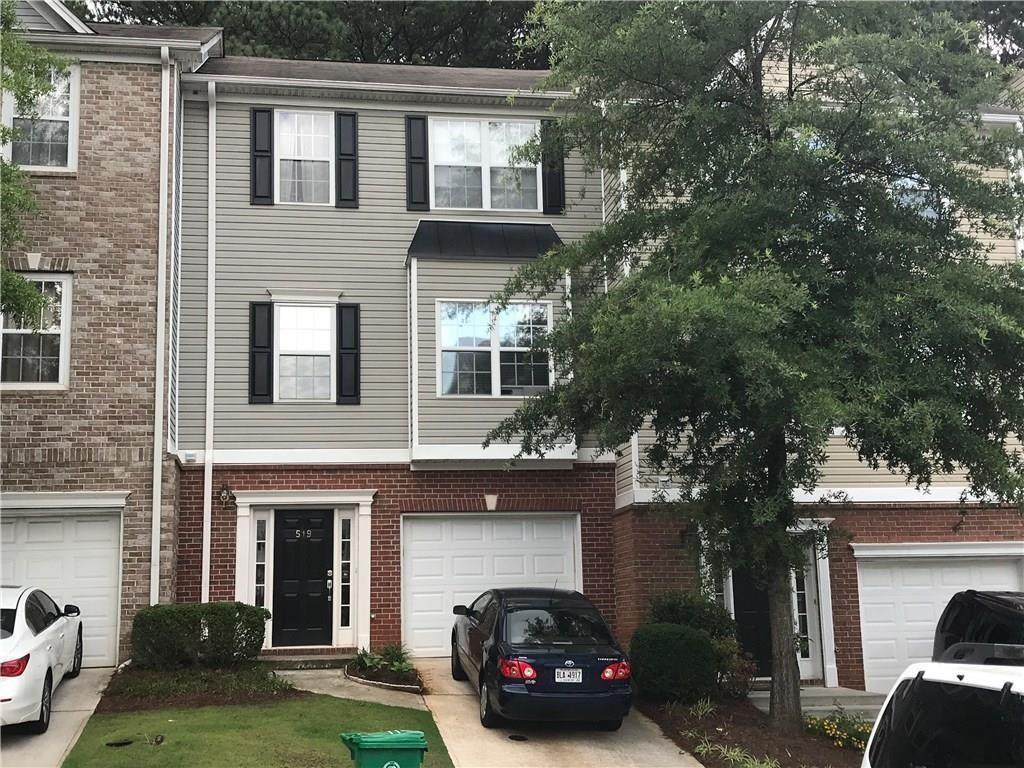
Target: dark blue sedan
[[541, 654]]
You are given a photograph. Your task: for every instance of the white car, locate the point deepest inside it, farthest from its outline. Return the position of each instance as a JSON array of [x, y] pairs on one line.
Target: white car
[[40, 645], [951, 715]]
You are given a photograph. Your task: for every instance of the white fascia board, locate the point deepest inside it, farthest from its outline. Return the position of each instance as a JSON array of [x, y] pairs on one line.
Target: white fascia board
[[348, 85], [880, 494], [938, 549], [595, 456], [304, 456], [474, 451], [48, 500], [64, 40]]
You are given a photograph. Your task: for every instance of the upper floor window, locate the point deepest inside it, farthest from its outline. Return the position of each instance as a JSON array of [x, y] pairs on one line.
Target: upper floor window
[[304, 352], [483, 352], [472, 167], [39, 358], [304, 147], [47, 138]]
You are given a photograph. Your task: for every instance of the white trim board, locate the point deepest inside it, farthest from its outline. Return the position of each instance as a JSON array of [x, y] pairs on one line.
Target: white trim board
[[868, 494], [938, 549], [474, 451], [48, 501]]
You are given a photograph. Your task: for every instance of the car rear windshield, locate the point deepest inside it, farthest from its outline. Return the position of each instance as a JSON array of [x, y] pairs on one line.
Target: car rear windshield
[[555, 624], [6, 622], [955, 726]]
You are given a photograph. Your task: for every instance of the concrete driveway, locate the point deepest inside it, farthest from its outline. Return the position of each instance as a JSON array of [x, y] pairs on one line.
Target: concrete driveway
[[454, 705], [73, 703]]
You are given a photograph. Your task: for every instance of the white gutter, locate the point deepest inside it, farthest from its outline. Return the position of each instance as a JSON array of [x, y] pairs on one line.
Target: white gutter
[[161, 318], [211, 337], [350, 85]]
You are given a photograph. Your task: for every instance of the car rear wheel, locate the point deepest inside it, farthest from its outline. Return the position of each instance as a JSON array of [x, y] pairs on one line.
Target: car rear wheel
[[488, 717], [610, 725], [458, 673], [45, 705], [76, 664]]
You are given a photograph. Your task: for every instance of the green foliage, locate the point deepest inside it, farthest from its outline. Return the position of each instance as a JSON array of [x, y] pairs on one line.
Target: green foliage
[[737, 757], [703, 708], [241, 683], [474, 34], [172, 636], [21, 298], [393, 657], [672, 662], [735, 669], [842, 728], [694, 610]]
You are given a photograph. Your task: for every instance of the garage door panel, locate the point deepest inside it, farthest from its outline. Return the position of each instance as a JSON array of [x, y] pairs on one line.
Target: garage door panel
[[74, 558], [902, 599], [449, 561]]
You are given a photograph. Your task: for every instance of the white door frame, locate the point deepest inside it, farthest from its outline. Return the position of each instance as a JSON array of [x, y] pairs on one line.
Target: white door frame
[[577, 544], [356, 505], [822, 575]]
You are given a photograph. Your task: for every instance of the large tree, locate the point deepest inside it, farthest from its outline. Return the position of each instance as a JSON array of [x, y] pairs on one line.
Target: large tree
[[25, 76], [471, 34], [791, 260]]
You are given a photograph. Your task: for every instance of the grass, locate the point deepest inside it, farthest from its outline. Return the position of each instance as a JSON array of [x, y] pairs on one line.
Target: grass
[[293, 732]]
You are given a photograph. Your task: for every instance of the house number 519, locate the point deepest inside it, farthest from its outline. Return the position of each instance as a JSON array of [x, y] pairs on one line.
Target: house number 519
[[306, 534]]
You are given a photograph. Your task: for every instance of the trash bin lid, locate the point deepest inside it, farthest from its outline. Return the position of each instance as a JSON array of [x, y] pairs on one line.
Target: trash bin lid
[[386, 740]]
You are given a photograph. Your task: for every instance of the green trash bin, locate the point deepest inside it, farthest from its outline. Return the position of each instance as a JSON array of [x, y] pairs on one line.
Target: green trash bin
[[386, 749]]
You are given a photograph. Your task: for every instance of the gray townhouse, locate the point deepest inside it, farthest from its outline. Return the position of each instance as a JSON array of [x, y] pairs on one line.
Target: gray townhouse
[[333, 365]]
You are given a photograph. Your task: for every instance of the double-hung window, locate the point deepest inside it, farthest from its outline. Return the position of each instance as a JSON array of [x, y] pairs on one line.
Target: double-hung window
[[47, 138], [487, 353], [38, 357], [304, 351], [304, 147], [472, 165]]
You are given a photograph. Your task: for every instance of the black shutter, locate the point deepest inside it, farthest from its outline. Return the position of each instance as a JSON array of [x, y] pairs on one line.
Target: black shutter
[[553, 166], [261, 146], [261, 352], [348, 354], [346, 139], [417, 169]]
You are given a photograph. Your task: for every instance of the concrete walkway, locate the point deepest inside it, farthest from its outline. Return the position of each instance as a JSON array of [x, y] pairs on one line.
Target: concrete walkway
[[454, 705], [73, 703], [334, 683], [819, 701]]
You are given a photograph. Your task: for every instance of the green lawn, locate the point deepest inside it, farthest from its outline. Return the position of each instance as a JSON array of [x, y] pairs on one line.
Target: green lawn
[[295, 732]]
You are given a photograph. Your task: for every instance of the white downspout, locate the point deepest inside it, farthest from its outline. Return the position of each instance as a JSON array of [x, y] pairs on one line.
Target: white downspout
[[211, 337], [161, 319]]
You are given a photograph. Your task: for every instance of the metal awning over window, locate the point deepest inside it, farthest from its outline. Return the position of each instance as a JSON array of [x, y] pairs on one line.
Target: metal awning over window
[[481, 240]]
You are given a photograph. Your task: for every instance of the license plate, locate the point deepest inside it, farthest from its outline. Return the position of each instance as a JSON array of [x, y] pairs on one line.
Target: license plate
[[568, 675]]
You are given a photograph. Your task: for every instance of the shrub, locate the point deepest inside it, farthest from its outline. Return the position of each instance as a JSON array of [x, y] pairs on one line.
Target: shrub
[[673, 662], [736, 669], [171, 636], [693, 610]]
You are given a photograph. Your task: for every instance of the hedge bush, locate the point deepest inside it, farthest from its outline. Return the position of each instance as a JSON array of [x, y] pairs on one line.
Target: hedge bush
[[673, 662], [172, 636], [693, 610]]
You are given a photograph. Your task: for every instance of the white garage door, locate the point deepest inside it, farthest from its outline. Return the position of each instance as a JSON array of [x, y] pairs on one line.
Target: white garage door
[[74, 558], [451, 560], [901, 601]]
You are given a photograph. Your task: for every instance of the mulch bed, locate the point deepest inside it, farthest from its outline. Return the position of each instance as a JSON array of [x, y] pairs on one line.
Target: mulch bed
[[135, 690], [385, 675], [741, 724]]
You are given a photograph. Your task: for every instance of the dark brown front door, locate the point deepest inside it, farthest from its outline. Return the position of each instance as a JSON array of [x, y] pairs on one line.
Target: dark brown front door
[[750, 604], [303, 555]]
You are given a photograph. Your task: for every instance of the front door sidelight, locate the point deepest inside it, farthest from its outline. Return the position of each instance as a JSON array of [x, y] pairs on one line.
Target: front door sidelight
[[303, 579]]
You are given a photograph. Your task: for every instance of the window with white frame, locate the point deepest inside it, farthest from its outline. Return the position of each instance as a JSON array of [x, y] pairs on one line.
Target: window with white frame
[[488, 353], [304, 147], [46, 138], [472, 167], [37, 357], [304, 352], [261, 563]]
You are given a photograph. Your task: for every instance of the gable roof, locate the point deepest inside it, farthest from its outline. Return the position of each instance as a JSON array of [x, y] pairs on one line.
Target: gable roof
[[162, 32]]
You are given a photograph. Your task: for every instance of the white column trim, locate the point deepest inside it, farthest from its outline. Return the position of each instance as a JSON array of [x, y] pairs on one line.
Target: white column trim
[[363, 615], [244, 572], [211, 335]]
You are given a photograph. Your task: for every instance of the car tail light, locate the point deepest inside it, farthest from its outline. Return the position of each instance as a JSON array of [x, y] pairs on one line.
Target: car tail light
[[516, 670], [620, 670], [14, 668]]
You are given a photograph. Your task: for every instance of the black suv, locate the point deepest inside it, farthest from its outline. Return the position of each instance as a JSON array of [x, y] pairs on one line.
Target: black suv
[[981, 627]]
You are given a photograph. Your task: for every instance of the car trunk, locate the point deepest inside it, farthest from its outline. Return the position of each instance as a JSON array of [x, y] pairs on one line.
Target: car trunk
[[563, 660]]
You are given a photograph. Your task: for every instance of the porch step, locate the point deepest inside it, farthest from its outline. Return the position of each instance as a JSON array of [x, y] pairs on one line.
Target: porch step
[[819, 701], [310, 661]]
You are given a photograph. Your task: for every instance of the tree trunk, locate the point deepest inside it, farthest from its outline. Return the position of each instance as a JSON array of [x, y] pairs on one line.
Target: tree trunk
[[785, 693]]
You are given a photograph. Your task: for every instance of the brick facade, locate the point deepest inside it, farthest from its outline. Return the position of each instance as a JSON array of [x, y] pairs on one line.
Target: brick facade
[[101, 225], [895, 523], [587, 489]]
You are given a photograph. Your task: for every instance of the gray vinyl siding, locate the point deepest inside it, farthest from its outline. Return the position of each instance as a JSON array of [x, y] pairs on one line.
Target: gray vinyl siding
[[30, 18], [192, 329], [624, 469], [175, 315], [359, 253]]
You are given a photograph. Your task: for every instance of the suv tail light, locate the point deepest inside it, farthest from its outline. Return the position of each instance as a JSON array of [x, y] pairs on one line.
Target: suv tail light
[[516, 670], [620, 670], [15, 667]]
